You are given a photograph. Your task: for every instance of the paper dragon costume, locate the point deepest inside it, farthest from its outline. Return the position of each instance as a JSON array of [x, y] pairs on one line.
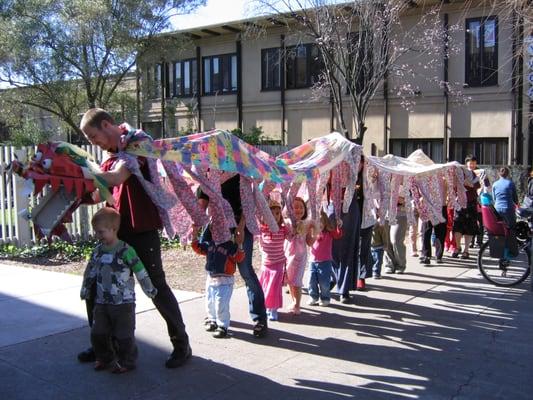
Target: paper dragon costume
[[208, 159], [60, 166]]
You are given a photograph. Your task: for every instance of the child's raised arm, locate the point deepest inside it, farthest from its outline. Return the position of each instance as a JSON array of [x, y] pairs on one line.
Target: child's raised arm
[[310, 236], [200, 246]]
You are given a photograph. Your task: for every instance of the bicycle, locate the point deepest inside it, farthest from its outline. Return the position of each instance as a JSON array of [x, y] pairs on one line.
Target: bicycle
[[494, 261]]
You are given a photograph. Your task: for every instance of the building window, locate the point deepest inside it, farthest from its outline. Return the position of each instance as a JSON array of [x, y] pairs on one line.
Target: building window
[[153, 80], [431, 148], [491, 151], [220, 74], [304, 66], [270, 69], [481, 48], [185, 78]]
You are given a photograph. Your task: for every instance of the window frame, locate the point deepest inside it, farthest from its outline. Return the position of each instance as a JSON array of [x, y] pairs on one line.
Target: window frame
[[153, 79], [221, 70], [308, 65], [193, 82], [480, 153], [264, 69], [404, 141], [482, 80]]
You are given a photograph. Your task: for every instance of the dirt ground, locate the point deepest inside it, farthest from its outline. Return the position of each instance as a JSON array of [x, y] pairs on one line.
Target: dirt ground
[[184, 269]]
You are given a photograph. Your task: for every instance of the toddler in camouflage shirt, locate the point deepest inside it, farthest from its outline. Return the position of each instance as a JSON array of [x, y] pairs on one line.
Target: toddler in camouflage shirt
[[111, 267]]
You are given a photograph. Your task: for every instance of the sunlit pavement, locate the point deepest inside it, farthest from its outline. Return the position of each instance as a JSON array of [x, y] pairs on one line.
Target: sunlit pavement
[[438, 332]]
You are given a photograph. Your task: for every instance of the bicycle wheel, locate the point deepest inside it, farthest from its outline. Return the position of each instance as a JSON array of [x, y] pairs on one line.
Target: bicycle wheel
[[504, 273]]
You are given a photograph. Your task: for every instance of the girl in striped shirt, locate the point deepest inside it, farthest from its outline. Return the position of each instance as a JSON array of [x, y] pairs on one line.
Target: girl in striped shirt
[[273, 262]]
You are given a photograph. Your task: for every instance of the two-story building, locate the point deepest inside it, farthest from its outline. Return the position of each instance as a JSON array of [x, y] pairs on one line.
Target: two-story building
[[226, 77]]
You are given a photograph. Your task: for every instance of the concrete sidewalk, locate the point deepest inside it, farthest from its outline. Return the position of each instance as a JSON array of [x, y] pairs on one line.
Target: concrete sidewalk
[[433, 333]]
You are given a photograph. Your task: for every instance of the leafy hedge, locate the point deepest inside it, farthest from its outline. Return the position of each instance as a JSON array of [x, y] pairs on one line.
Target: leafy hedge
[[63, 251], [60, 251]]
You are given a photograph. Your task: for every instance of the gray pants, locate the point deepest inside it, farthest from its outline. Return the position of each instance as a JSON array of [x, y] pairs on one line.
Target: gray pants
[[117, 323], [395, 250]]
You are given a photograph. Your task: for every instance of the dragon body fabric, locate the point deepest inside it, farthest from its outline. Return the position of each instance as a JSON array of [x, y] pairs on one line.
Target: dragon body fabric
[[327, 164]]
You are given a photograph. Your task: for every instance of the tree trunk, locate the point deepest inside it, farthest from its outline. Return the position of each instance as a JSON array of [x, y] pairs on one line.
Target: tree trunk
[[361, 129]]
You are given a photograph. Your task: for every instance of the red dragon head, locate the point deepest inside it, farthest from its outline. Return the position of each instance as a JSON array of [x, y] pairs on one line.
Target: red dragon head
[[59, 165]]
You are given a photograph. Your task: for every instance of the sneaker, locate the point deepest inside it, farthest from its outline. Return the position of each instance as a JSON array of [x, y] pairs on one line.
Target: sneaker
[[439, 261], [220, 332], [117, 368], [210, 326], [346, 300], [361, 285], [100, 365], [272, 314], [312, 302], [414, 254], [400, 271], [389, 270], [503, 264], [260, 329], [465, 255], [87, 356], [376, 276], [324, 303], [455, 254], [425, 260], [177, 358]]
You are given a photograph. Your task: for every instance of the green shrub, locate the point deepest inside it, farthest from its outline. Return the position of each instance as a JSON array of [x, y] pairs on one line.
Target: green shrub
[[167, 243], [59, 250], [253, 136], [64, 251]]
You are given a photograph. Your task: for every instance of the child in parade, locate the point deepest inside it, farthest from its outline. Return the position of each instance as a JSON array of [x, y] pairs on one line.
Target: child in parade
[[413, 235], [110, 267], [380, 238], [320, 267], [296, 252], [465, 223], [256, 299], [221, 264], [273, 262]]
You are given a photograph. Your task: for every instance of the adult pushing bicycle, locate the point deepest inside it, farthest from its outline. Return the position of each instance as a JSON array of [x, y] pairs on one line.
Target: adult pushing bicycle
[[504, 260]]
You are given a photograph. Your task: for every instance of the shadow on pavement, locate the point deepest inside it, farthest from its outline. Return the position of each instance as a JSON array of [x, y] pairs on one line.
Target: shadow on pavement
[[439, 344]]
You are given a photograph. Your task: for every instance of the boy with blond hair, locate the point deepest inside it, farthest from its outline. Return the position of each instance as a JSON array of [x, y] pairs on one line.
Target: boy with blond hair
[[111, 267]]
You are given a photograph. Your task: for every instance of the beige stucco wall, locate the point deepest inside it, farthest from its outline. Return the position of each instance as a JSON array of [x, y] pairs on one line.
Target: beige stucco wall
[[422, 120], [304, 122], [489, 118], [474, 112]]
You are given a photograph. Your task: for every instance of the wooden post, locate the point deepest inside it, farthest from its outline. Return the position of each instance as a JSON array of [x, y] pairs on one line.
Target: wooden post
[[21, 203]]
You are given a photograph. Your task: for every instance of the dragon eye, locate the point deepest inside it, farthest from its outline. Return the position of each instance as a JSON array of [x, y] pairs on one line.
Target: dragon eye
[[37, 157], [47, 163]]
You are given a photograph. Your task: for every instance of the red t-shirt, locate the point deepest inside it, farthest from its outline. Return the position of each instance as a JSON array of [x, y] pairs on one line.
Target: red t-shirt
[[138, 212]]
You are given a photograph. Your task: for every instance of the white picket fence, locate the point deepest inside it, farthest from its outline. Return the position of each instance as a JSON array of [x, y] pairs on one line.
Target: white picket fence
[[15, 209]]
